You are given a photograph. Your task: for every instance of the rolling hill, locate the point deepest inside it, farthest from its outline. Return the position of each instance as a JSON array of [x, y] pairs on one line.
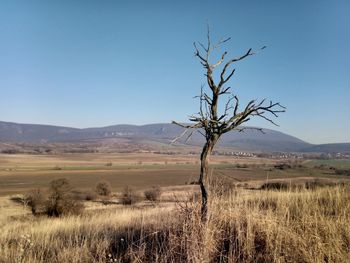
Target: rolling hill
[[250, 140]]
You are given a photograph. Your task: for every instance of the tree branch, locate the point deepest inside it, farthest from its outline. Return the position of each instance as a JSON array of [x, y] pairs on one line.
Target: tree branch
[[187, 127], [253, 110]]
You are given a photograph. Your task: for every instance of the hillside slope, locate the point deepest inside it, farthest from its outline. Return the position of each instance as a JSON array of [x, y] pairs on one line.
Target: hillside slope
[[250, 140]]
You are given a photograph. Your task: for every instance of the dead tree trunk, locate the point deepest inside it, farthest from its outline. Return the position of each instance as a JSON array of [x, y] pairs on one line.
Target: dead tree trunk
[[204, 174]]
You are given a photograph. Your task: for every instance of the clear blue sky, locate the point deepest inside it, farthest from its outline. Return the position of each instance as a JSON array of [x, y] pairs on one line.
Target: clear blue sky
[[97, 63]]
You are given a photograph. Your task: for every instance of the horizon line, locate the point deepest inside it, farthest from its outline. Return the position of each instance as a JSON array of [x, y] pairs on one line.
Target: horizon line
[[140, 125]]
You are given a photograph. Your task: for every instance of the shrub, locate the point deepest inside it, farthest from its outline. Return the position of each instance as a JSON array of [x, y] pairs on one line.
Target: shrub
[[275, 186], [316, 183], [103, 188], [35, 199], [129, 197], [342, 172], [153, 194], [283, 166], [241, 166], [90, 196], [67, 206], [10, 151], [60, 199]]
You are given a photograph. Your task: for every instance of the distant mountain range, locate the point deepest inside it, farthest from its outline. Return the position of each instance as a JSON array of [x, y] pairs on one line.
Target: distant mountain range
[[250, 140]]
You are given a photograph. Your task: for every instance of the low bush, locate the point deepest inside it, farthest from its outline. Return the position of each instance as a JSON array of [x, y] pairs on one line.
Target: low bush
[[275, 186], [103, 188], [129, 196], [241, 166], [283, 166], [64, 206], [35, 199], [90, 196], [10, 151], [60, 199], [318, 183], [153, 194], [310, 185], [342, 172]]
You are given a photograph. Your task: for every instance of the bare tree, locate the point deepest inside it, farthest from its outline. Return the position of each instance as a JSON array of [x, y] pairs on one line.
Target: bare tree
[[211, 122]]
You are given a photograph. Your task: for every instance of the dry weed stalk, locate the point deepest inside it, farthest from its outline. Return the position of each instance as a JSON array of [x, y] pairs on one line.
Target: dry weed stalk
[[294, 225]]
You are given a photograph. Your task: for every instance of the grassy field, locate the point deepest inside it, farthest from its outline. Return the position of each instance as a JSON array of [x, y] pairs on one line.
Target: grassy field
[[246, 224], [335, 163]]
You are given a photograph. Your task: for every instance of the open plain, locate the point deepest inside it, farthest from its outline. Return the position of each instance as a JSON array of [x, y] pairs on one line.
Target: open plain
[[20, 173]]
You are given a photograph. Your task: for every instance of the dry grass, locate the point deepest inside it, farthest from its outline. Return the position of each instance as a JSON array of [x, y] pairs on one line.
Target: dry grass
[[244, 226]]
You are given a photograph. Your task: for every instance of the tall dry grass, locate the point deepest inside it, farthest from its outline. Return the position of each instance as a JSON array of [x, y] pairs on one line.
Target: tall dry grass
[[243, 226]]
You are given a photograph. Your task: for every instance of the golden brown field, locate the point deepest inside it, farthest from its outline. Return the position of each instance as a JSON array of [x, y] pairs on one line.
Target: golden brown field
[[18, 173], [245, 224]]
